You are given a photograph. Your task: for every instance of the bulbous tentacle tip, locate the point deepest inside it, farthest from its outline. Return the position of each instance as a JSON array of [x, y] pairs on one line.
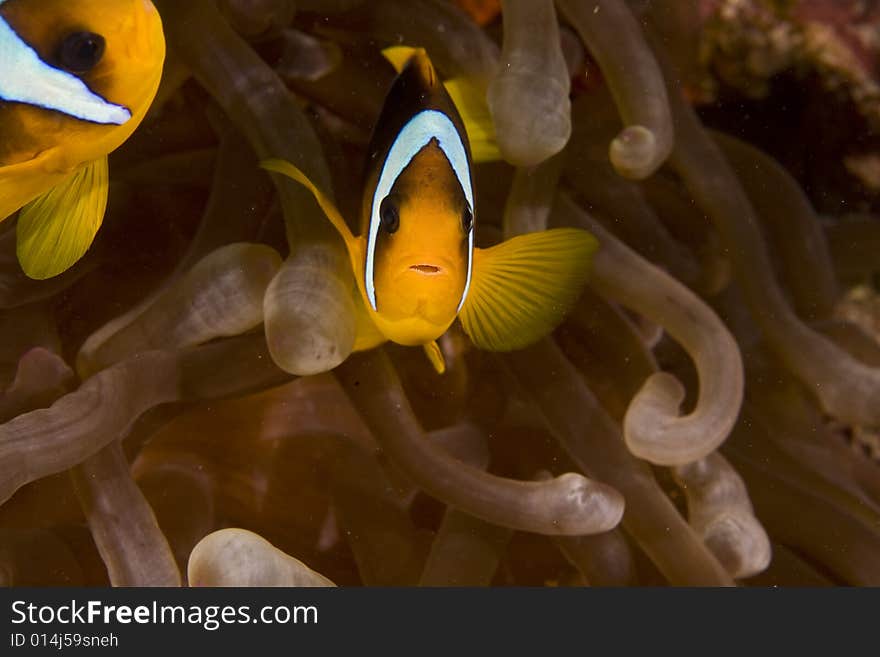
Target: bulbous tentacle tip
[[237, 557], [654, 405], [721, 513], [740, 543], [310, 312], [634, 152], [529, 137], [578, 506]]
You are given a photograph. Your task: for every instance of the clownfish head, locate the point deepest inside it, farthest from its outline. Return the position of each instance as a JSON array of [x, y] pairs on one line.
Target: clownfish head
[[418, 268], [77, 77]]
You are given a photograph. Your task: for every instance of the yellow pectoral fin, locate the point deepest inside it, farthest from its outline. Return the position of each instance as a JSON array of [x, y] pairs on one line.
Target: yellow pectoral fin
[[474, 110], [285, 168], [56, 229], [521, 289], [470, 102], [432, 351]]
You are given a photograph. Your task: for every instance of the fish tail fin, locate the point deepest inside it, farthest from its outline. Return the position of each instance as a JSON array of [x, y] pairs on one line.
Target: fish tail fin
[[57, 228], [522, 288]]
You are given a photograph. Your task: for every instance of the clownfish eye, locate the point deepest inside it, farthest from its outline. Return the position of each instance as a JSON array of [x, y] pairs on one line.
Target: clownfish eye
[[389, 215], [467, 219], [80, 52]]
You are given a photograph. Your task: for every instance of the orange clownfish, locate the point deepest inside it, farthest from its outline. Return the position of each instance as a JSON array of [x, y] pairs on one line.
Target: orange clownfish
[[76, 79], [415, 262]]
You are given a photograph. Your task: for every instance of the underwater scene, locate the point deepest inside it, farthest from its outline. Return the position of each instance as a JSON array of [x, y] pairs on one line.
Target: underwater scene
[[439, 293]]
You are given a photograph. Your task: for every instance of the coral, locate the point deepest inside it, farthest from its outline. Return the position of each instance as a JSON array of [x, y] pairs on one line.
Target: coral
[[747, 42]]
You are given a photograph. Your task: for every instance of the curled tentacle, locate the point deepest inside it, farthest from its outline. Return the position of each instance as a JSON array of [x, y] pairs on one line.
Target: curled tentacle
[[615, 39], [845, 387], [653, 428], [593, 441], [620, 203], [719, 510]]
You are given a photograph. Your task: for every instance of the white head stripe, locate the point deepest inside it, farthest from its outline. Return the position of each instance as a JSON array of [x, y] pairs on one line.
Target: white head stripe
[[25, 78], [421, 129]]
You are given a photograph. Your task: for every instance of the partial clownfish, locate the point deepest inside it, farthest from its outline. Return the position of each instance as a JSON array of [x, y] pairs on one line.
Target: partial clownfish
[[415, 262], [76, 79]]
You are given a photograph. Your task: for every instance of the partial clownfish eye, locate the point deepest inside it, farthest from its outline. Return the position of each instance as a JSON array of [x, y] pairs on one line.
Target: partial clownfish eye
[[80, 52], [389, 215], [467, 219]]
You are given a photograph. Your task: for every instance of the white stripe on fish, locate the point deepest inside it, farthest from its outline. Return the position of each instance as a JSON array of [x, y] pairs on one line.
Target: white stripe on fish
[[419, 130], [25, 78]]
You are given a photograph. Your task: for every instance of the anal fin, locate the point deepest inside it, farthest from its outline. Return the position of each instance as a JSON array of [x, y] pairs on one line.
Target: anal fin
[[432, 351]]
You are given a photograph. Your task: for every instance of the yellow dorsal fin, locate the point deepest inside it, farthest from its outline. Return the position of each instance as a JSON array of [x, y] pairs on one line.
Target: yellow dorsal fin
[[398, 56], [470, 102], [474, 110], [522, 288], [432, 351], [352, 243], [56, 229]]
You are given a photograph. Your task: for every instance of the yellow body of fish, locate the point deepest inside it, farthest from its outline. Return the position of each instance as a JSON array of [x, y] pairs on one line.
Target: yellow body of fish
[[415, 262], [52, 160]]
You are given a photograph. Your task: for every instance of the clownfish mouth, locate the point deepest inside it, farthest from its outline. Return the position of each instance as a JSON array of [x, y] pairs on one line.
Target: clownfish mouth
[[428, 270]]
